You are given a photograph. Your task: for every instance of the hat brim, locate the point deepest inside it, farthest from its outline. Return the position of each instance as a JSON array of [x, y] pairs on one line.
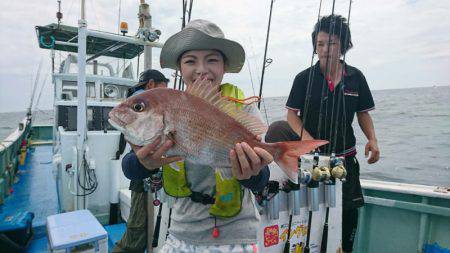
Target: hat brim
[[193, 39]]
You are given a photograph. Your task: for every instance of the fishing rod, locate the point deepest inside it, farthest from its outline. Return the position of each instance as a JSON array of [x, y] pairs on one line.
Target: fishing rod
[[183, 24], [313, 201], [314, 185], [305, 176], [266, 61], [36, 81], [331, 185], [157, 227], [287, 246]]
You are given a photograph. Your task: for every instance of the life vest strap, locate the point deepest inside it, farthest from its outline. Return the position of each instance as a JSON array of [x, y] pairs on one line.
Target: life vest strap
[[202, 198]]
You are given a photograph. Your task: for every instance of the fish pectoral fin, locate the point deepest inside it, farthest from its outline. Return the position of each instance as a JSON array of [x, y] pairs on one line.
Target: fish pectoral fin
[[171, 135]]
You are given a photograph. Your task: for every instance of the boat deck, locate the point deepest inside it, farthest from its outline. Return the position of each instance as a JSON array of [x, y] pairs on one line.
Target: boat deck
[[36, 191]]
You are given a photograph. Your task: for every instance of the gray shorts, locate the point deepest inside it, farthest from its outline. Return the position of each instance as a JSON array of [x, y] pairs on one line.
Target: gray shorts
[[173, 245]]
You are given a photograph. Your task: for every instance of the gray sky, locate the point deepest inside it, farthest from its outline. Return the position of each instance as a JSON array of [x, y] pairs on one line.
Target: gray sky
[[397, 43]]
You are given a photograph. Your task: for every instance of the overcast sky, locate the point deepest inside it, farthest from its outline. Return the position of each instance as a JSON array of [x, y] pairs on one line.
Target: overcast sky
[[397, 43]]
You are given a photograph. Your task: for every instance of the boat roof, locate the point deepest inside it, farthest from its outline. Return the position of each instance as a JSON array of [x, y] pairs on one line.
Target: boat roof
[[49, 34]]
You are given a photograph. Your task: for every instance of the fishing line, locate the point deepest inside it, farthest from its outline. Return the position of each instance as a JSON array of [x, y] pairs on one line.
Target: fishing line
[[329, 81], [310, 80], [40, 93], [322, 98], [253, 87], [324, 88], [304, 119], [324, 242], [249, 67], [265, 53], [36, 80], [340, 95], [347, 35], [334, 121]]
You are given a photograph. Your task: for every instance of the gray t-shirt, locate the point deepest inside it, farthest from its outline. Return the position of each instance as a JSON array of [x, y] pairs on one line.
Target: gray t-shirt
[[191, 221]]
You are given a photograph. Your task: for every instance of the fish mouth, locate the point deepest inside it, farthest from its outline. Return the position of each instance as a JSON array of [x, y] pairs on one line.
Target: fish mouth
[[116, 122], [117, 126]]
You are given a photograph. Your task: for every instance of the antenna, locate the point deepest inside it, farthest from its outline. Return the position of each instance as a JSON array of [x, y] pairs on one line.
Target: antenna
[[59, 14]]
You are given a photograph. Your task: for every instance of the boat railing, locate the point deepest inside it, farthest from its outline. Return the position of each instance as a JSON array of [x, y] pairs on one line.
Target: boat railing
[[411, 215], [11, 155]]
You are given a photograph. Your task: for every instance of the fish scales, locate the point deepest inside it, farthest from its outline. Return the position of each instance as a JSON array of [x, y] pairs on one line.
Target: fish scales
[[211, 133]]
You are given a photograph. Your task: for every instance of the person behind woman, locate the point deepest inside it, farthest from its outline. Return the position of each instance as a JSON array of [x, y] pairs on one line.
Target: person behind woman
[[331, 39], [202, 219], [134, 240]]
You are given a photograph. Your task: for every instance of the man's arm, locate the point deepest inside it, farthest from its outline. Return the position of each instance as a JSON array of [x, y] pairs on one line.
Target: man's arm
[[133, 169], [296, 124], [366, 124]]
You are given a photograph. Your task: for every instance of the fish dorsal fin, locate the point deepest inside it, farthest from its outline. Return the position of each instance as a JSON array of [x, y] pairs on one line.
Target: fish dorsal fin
[[210, 94]]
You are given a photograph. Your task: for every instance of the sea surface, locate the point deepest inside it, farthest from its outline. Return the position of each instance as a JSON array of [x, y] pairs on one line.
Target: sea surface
[[412, 127]]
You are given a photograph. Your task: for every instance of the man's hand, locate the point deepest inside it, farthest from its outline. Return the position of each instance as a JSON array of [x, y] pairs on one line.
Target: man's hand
[[152, 157], [372, 147], [247, 162]]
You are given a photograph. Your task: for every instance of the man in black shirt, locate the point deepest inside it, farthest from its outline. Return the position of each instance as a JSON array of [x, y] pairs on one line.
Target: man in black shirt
[[322, 104], [135, 236]]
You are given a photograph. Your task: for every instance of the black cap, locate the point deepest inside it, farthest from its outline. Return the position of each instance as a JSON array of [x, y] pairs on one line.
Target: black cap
[[152, 74], [145, 77]]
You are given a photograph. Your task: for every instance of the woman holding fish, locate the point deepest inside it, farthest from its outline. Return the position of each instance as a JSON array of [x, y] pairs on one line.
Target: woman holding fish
[[209, 148]]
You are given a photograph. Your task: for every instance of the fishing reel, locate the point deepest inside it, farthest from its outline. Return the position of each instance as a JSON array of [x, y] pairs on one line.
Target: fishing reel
[[337, 168], [328, 170], [319, 173], [153, 184]]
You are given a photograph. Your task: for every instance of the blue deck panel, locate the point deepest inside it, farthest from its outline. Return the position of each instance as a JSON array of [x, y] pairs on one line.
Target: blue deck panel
[[115, 233], [38, 245], [35, 190]]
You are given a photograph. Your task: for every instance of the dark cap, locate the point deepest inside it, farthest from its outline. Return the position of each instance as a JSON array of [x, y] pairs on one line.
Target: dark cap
[[145, 77], [152, 74]]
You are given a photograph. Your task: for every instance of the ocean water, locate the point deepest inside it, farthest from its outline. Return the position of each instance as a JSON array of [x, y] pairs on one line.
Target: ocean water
[[412, 128]]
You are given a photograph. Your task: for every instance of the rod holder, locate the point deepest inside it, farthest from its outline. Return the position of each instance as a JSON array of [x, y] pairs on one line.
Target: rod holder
[[313, 198], [330, 194], [273, 204], [295, 202]]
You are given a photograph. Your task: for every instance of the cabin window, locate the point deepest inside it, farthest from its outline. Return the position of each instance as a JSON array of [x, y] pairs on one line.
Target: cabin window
[[97, 118]]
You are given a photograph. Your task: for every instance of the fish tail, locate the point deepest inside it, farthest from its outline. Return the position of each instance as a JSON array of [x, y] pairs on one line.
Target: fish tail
[[289, 152]]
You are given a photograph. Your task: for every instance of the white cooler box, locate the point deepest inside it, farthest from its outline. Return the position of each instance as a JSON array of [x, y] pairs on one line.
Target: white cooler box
[[77, 231]]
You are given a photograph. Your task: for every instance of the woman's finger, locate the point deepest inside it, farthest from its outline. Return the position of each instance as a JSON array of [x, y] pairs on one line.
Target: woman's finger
[[265, 156], [148, 149], [242, 158], [253, 157], [171, 159], [163, 149], [235, 167]]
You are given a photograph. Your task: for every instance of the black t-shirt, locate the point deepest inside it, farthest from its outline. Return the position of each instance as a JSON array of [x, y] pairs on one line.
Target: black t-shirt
[[357, 98]]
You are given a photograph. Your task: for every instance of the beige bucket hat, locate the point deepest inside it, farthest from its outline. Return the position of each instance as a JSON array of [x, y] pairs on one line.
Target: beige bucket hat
[[201, 34]]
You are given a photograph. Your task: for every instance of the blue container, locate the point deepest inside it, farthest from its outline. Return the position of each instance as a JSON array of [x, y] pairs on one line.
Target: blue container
[[16, 231]]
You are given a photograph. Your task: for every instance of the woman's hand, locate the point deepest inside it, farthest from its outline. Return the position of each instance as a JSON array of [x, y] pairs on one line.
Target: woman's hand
[[247, 162], [372, 147], [152, 157]]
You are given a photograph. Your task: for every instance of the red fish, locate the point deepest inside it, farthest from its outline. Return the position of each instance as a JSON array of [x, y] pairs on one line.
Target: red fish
[[203, 125]]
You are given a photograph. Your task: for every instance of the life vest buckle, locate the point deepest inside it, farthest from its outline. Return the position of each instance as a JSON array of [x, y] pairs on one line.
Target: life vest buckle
[[204, 199]]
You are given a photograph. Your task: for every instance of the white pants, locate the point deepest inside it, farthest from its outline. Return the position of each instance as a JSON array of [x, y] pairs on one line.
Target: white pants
[[173, 245]]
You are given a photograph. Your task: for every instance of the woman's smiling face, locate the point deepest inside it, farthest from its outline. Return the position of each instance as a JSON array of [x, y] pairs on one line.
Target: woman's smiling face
[[200, 63]]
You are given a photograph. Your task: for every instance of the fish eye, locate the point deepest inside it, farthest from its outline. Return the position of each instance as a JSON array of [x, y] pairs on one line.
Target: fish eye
[[139, 107]]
